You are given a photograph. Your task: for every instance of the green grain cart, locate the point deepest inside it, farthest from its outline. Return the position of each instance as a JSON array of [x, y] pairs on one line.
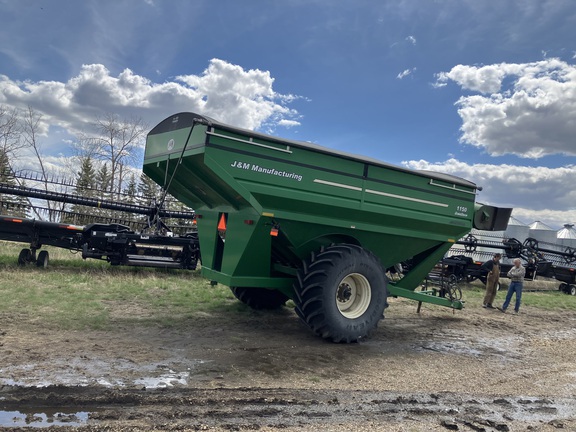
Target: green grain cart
[[280, 219]]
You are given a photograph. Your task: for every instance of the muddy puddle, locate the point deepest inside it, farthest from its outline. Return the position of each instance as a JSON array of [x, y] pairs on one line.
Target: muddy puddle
[[89, 372], [502, 349], [42, 419]]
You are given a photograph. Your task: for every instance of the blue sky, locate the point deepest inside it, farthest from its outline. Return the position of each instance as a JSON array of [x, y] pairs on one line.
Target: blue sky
[[481, 89]]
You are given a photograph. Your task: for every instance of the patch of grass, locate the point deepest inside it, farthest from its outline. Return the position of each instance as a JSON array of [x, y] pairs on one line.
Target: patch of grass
[[551, 299], [89, 294], [77, 294]]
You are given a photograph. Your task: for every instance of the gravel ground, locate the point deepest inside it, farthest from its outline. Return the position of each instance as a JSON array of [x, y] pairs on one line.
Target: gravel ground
[[470, 370]]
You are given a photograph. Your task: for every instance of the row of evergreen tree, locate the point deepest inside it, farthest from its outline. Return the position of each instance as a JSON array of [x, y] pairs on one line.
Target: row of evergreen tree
[[96, 183], [92, 182], [11, 205]]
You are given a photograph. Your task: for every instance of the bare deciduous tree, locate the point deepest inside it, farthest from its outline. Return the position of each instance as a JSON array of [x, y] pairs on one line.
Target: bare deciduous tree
[[31, 121], [10, 141], [116, 142], [9, 146]]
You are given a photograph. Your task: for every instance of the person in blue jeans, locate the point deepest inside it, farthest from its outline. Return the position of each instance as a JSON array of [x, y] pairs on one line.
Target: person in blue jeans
[[516, 275]]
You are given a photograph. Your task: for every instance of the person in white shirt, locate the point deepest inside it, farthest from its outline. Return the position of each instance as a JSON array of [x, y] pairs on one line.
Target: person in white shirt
[[516, 275]]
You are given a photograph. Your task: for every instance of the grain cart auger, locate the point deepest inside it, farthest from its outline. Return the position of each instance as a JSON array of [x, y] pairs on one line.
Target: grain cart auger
[[280, 219]]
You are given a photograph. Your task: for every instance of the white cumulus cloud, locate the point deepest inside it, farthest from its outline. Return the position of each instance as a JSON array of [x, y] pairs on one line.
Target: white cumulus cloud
[[288, 123], [231, 94], [535, 192], [224, 91], [527, 109]]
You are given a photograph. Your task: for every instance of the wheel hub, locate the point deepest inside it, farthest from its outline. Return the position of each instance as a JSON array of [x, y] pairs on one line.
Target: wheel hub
[[353, 295], [344, 292]]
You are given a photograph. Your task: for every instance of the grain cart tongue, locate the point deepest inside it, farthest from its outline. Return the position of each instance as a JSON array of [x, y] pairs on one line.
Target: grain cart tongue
[[280, 219]]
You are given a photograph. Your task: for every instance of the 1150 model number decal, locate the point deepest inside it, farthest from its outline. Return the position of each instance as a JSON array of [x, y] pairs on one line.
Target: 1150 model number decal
[[461, 211]]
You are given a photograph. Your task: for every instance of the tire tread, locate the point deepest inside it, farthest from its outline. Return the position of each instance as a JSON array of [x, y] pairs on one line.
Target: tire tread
[[309, 290]]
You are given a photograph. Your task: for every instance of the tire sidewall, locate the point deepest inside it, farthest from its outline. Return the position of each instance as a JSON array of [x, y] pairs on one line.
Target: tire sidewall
[[43, 259], [24, 257], [370, 268]]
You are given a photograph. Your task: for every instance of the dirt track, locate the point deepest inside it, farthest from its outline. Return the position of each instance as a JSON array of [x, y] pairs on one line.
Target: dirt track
[[471, 370]]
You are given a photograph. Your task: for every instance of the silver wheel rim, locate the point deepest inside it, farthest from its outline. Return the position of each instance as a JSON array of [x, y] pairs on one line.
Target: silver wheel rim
[[353, 295]]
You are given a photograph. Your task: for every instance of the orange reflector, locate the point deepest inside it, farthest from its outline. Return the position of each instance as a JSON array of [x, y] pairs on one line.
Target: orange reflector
[[17, 220], [274, 232], [222, 223]]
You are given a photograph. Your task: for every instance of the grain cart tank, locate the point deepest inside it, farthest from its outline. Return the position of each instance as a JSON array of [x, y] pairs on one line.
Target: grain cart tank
[[280, 219]]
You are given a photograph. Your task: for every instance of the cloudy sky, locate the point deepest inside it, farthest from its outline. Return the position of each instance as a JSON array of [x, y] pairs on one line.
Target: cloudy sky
[[481, 89]]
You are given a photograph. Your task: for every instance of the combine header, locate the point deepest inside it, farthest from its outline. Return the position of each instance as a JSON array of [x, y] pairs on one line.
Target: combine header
[[550, 260], [280, 219], [119, 244]]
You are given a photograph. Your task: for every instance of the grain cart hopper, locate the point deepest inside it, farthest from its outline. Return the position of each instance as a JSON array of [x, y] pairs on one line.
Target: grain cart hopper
[[280, 219]]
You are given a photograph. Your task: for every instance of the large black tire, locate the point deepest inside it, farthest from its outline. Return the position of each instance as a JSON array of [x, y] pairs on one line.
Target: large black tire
[[24, 257], [260, 298], [43, 258], [572, 290], [341, 292]]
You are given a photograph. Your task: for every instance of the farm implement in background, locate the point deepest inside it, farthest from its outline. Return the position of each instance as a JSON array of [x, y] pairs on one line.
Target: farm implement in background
[[120, 240], [540, 258]]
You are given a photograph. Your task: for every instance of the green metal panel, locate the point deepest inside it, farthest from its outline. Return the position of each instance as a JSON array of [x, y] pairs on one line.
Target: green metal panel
[[313, 195]]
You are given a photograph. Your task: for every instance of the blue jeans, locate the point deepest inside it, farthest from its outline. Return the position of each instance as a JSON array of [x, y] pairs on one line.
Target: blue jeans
[[515, 287]]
